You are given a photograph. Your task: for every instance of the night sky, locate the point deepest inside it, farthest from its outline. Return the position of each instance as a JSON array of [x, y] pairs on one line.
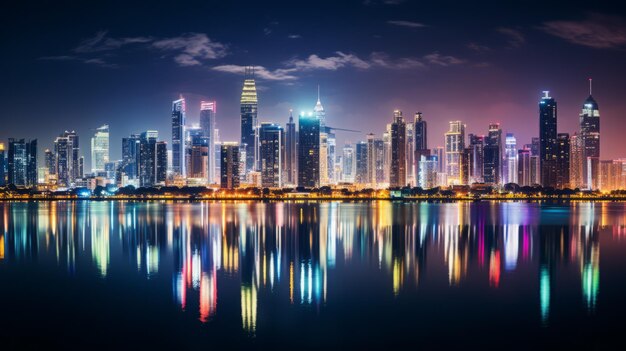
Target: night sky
[[68, 66]]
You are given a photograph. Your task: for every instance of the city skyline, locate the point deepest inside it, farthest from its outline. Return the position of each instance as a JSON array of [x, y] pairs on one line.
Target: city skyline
[[126, 76]]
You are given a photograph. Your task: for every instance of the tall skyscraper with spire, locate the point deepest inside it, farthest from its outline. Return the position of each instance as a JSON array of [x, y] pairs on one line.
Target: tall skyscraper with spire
[[547, 140], [249, 123], [208, 110], [420, 142], [590, 139], [327, 144], [178, 136], [397, 175], [291, 158]]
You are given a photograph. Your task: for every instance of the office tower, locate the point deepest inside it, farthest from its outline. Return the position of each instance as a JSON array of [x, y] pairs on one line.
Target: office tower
[[455, 144], [331, 154], [249, 121], [130, 156], [323, 151], [291, 152], [198, 158], [361, 163], [308, 151], [271, 137], [547, 140], [411, 165], [386, 157], [178, 137], [161, 162], [562, 160], [22, 162], [50, 161], [535, 160], [576, 162], [510, 154], [229, 165], [397, 175], [440, 152], [349, 164], [523, 167], [81, 167], [338, 172], [611, 175], [476, 156], [590, 135], [218, 153], [465, 166], [420, 141], [2, 165], [492, 155], [99, 149], [109, 170], [428, 171], [147, 158], [208, 110], [535, 146]]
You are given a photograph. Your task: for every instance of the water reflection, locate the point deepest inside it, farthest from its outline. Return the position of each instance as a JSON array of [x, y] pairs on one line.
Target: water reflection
[[292, 250]]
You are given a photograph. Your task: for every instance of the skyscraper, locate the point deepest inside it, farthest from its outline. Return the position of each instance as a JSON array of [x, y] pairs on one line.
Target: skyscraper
[[271, 138], [198, 156], [229, 165], [291, 152], [492, 155], [161, 162], [208, 110], [455, 144], [349, 164], [130, 156], [147, 158], [100, 149], [178, 135], [547, 140], [249, 122], [22, 162], [362, 164], [476, 157], [50, 161], [67, 159], [428, 171], [576, 162], [411, 165], [309, 151], [2, 165], [510, 155], [523, 167], [562, 160], [397, 175], [590, 135]]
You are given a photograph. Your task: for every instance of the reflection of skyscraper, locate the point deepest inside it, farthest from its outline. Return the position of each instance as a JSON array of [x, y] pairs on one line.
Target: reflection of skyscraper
[[547, 137], [249, 120], [397, 173], [178, 135], [308, 151], [455, 144]]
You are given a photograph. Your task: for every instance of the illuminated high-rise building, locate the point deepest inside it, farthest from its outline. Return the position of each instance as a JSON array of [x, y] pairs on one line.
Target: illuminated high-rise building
[[428, 171], [576, 162], [308, 150], [492, 155], [562, 160], [208, 110], [22, 162], [161, 162], [476, 156], [397, 175], [49, 161], [229, 165], [271, 139], [547, 140], [349, 164], [178, 137], [100, 149], [2, 165], [198, 156], [410, 154], [130, 156], [510, 155], [249, 124], [455, 144], [148, 158], [67, 149], [523, 167], [361, 163], [590, 135], [291, 152], [420, 141]]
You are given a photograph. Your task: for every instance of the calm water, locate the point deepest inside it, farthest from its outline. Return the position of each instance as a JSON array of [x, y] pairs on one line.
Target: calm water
[[300, 275]]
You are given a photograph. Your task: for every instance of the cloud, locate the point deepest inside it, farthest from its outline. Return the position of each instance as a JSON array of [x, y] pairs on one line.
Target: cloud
[[191, 48], [101, 42], [92, 61], [294, 36], [331, 63], [477, 47], [383, 60], [443, 60], [597, 31], [408, 24], [267, 31], [515, 37], [259, 71]]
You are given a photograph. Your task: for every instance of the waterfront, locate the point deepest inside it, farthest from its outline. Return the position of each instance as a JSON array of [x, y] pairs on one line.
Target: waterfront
[[312, 274]]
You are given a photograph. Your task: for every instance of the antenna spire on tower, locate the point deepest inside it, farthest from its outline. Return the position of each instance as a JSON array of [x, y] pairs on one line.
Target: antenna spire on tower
[[590, 85], [318, 93]]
